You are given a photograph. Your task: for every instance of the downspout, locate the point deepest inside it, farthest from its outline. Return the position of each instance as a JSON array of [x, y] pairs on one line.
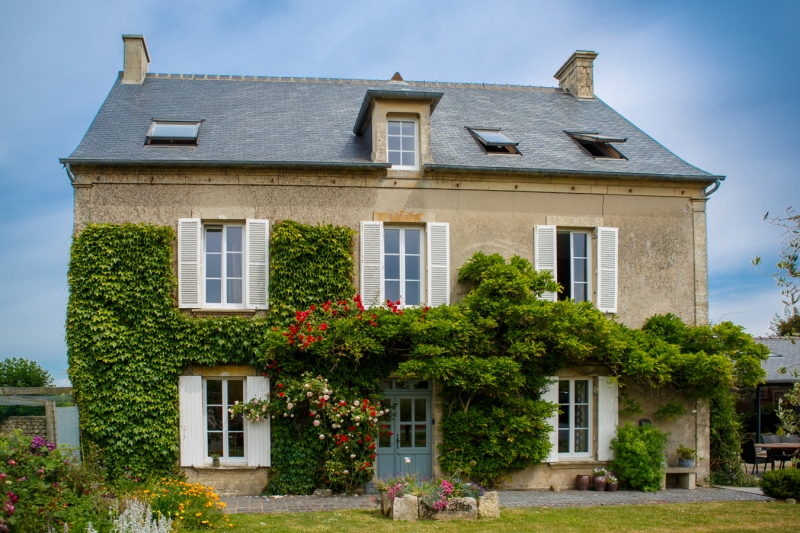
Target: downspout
[[70, 175], [714, 188]]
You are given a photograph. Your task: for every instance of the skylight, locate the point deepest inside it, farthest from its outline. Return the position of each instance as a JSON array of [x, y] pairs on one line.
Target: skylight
[[494, 142], [173, 133], [598, 146]]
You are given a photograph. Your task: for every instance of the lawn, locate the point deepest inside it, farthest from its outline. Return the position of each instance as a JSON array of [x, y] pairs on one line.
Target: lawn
[[702, 517]]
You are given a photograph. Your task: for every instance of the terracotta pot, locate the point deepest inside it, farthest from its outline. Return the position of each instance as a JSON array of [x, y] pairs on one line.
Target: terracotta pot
[[582, 482], [612, 487], [599, 482]]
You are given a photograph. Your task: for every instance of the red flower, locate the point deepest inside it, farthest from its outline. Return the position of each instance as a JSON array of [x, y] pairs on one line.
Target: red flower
[[323, 326], [333, 312], [368, 438], [313, 307], [373, 456], [280, 385], [360, 441], [352, 428], [281, 394]]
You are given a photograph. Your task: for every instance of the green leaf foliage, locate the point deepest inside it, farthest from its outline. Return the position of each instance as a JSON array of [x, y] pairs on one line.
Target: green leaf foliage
[[639, 462], [781, 484]]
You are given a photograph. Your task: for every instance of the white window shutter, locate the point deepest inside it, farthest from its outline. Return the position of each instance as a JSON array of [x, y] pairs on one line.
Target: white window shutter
[[189, 263], [551, 395], [544, 255], [608, 416], [258, 264], [258, 433], [372, 263], [190, 409], [607, 269], [438, 234]]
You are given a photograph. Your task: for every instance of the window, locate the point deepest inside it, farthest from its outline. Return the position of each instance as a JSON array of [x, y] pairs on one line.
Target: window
[[224, 436], [401, 141], [402, 249], [494, 142], [572, 265], [598, 146], [224, 265], [173, 133], [574, 421]]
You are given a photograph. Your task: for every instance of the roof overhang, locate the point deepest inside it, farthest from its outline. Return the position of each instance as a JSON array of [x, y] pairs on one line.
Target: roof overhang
[[221, 163], [392, 94]]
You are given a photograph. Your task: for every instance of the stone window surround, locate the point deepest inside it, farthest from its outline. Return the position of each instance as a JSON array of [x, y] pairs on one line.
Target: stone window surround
[[384, 110]]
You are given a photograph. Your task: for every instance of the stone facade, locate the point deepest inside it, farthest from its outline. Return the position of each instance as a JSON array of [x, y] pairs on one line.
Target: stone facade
[[30, 425], [238, 481]]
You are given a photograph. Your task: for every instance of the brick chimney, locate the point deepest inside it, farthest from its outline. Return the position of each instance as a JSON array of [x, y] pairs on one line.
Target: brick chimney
[[136, 59], [576, 74]]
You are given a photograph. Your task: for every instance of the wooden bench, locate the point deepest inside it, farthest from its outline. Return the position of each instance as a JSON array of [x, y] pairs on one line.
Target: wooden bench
[[687, 477]]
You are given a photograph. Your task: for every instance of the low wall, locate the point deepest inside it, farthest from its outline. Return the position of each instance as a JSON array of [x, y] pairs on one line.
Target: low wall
[[30, 425], [239, 481]]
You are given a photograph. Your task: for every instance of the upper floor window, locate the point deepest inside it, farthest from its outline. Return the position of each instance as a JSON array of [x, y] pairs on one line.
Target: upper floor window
[[493, 141], [572, 265], [402, 248], [401, 139], [173, 133], [224, 265], [599, 146]]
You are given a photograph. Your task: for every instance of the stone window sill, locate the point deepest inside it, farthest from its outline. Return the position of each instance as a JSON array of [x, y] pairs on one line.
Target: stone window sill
[[223, 468], [247, 313], [581, 463]]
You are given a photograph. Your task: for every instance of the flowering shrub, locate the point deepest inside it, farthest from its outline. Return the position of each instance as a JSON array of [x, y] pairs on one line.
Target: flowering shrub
[[191, 505], [254, 411], [434, 494]]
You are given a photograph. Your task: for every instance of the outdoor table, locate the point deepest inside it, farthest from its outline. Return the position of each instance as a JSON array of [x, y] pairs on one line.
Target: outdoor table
[[788, 447]]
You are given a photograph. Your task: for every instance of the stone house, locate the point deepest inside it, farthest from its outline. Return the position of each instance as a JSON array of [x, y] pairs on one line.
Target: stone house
[[427, 173]]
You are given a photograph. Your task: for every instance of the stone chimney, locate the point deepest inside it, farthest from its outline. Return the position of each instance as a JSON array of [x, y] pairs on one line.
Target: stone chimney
[[576, 74], [136, 59]]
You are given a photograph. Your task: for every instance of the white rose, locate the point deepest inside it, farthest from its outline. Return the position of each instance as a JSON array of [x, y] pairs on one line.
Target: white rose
[[352, 456], [316, 422], [357, 419], [306, 386], [291, 405], [309, 393]]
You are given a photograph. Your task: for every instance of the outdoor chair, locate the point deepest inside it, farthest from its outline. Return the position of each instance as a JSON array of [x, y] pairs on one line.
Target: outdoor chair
[[749, 455], [793, 439], [771, 439]]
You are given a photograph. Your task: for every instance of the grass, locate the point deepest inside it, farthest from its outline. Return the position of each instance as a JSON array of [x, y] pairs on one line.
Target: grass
[[762, 517]]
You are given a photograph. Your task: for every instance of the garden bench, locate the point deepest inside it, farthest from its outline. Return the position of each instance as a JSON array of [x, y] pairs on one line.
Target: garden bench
[[687, 477]]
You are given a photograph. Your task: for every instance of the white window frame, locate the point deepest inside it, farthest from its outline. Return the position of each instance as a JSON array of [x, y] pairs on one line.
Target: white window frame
[[422, 264], [415, 166], [224, 267], [591, 420], [226, 420], [589, 270]]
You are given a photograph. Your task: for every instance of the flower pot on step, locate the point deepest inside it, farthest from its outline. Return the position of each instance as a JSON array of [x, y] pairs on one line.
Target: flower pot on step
[[582, 482], [612, 487], [599, 483]]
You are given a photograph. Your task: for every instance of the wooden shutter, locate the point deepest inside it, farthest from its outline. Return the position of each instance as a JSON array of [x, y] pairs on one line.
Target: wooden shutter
[[372, 263], [607, 269], [607, 416], [551, 395], [544, 243], [258, 433], [190, 406], [258, 264], [438, 234], [189, 273]]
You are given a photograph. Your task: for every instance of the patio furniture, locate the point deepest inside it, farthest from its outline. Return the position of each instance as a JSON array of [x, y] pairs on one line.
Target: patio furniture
[[749, 455], [777, 449]]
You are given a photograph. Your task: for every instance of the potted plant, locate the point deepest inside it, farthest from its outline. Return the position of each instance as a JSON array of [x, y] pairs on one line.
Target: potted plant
[[582, 481], [599, 479], [612, 483], [686, 456], [215, 460]]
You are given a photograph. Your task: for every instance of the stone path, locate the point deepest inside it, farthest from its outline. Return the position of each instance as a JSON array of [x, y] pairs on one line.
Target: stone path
[[508, 498]]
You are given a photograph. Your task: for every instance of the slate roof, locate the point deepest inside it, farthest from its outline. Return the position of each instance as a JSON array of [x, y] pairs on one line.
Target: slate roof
[[266, 120], [782, 354]]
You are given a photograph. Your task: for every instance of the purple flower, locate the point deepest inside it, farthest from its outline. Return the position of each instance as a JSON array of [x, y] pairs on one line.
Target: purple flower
[[13, 497], [50, 446], [9, 508], [37, 442]]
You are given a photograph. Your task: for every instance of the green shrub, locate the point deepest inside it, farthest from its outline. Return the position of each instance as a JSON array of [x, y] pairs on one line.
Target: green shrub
[[781, 484], [639, 461]]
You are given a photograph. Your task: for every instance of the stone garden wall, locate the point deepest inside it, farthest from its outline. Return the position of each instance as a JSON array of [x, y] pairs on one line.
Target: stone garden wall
[[30, 425]]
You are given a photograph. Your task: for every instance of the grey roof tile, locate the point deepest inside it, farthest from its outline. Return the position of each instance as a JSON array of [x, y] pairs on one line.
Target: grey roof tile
[[782, 353]]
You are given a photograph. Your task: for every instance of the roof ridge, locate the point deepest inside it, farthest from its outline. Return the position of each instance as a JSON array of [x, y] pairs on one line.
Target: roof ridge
[[355, 81]]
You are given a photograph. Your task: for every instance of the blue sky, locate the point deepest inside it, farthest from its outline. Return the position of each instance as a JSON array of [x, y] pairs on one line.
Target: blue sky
[[712, 81]]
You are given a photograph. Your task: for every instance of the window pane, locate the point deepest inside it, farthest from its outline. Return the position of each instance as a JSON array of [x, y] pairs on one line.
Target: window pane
[[405, 410], [580, 269], [420, 410], [563, 417], [563, 392], [384, 439], [392, 290], [582, 391], [563, 266], [412, 267], [234, 239], [408, 128], [579, 244], [582, 416], [392, 264], [394, 143], [213, 291], [408, 143], [408, 159], [387, 385], [581, 440], [405, 435], [421, 385], [214, 443], [579, 292], [563, 441], [234, 265], [234, 291], [412, 293], [401, 384], [213, 266], [236, 444], [412, 241], [235, 391], [214, 392], [214, 417], [394, 158], [214, 240], [420, 436], [394, 128], [391, 241]]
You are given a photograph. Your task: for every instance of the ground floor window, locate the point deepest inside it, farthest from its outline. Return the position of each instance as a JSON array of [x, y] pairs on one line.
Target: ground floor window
[[574, 421], [224, 436]]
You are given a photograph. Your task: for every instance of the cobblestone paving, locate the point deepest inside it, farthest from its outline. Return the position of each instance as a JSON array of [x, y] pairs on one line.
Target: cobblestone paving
[[508, 498]]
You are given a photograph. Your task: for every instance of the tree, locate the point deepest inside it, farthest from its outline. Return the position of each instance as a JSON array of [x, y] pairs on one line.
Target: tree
[[20, 372], [788, 325]]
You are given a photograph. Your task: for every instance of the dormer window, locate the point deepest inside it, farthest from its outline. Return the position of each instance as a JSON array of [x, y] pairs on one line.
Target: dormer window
[[599, 146], [401, 139], [173, 133], [494, 142]]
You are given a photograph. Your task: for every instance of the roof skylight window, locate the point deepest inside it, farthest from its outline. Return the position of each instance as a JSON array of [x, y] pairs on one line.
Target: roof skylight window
[[173, 133], [599, 146], [494, 142]]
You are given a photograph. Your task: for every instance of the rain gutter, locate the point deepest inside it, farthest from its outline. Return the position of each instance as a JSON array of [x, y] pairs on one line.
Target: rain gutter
[[218, 163]]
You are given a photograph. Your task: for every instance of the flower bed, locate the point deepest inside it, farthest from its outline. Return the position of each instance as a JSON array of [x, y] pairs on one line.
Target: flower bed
[[409, 498]]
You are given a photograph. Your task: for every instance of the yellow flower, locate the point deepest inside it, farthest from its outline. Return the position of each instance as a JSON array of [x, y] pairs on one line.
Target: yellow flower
[[198, 514]]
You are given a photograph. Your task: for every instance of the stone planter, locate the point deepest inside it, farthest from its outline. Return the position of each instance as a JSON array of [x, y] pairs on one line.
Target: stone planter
[[457, 509], [582, 482], [599, 483], [386, 504], [406, 508], [612, 487], [686, 463], [489, 505]]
